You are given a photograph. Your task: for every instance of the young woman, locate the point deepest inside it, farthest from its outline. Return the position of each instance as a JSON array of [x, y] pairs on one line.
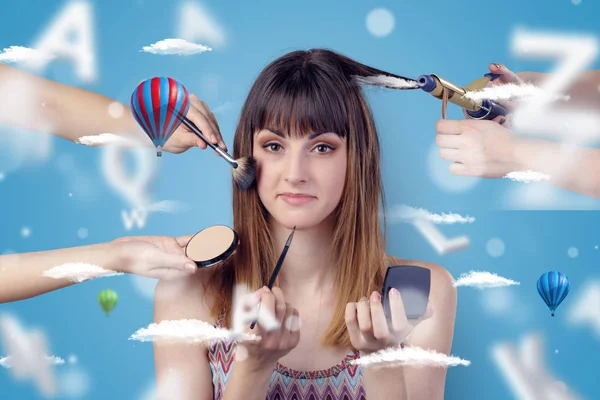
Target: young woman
[[310, 129]]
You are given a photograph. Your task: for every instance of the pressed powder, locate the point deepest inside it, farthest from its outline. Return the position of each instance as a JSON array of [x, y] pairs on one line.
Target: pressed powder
[[212, 245]]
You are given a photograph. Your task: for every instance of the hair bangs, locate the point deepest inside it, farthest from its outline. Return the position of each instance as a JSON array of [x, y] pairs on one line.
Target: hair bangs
[[299, 107]]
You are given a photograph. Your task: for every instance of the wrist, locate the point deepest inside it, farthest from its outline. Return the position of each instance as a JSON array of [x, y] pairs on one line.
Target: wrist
[[521, 155], [116, 256]]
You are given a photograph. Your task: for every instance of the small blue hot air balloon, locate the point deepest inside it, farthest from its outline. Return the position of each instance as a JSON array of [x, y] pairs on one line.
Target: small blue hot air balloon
[[553, 287], [158, 104]]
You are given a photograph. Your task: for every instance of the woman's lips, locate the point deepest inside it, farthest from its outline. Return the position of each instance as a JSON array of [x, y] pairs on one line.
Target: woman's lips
[[296, 199]]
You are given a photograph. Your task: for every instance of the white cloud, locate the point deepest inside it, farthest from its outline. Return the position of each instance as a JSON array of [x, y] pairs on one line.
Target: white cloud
[[527, 176], [107, 139], [483, 279], [510, 91], [79, 272], [188, 331], [403, 213], [18, 54], [412, 356], [7, 363], [27, 355], [387, 81], [179, 47]]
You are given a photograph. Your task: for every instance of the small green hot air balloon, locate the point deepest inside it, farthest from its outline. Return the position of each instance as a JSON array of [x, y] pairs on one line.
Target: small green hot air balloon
[[108, 300]]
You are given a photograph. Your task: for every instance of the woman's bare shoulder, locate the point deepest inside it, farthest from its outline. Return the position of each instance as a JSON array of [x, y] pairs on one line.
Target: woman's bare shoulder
[[185, 298]]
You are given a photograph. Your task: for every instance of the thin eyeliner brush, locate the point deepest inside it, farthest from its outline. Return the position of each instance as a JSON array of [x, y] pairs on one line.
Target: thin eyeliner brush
[[278, 265]]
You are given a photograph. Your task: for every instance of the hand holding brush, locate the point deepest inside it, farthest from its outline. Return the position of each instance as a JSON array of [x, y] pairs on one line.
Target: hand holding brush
[[279, 264], [244, 169], [161, 104]]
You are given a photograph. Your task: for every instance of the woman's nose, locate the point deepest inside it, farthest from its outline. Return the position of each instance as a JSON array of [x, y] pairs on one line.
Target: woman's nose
[[296, 169]]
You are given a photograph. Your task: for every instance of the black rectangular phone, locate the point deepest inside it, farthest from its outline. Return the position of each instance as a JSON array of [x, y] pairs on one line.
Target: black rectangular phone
[[413, 283]]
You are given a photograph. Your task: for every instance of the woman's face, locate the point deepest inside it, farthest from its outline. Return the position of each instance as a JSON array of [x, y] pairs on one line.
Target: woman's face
[[300, 180]]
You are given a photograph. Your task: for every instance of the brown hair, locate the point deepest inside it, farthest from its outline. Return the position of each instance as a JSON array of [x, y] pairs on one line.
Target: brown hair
[[298, 93]]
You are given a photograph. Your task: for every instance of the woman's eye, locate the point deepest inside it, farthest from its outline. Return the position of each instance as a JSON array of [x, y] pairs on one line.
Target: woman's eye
[[323, 148], [272, 146]]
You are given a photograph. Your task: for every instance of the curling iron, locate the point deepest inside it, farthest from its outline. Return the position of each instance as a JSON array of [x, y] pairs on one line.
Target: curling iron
[[448, 91]]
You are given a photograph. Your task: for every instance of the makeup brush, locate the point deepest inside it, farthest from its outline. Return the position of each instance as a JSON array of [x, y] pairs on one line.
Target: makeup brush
[[278, 265], [244, 169]]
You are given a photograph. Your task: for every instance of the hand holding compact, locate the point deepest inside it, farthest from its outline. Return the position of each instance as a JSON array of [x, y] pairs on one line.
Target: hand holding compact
[[369, 329], [158, 257]]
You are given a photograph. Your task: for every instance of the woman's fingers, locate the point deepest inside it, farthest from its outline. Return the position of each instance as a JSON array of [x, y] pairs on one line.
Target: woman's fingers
[[183, 240], [214, 135], [280, 304], [290, 332], [380, 326], [399, 320], [352, 324], [365, 324]]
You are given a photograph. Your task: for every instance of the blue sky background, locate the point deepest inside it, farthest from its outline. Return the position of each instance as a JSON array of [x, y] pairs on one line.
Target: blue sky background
[[511, 236]]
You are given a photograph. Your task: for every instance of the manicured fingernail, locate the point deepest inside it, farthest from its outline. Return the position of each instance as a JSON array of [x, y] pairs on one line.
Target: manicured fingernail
[[293, 323], [364, 298], [497, 65], [394, 294], [265, 289], [190, 267], [375, 297]]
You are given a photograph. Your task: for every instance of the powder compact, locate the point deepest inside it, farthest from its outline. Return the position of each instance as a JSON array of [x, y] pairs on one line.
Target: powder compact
[[212, 245]]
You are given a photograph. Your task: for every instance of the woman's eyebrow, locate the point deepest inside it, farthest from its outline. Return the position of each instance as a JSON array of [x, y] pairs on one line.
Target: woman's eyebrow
[[283, 135]]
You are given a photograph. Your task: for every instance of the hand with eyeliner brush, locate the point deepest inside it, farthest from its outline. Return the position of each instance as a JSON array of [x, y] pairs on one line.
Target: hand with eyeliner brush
[[278, 266], [274, 343]]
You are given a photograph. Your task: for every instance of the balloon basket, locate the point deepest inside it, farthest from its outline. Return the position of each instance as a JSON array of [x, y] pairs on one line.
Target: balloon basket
[[159, 153]]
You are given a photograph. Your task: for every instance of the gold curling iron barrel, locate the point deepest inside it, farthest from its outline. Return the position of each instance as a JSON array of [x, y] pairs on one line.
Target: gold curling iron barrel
[[448, 91]]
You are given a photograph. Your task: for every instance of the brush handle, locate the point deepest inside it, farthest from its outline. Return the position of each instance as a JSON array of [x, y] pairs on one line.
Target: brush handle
[[274, 274], [278, 266], [198, 133]]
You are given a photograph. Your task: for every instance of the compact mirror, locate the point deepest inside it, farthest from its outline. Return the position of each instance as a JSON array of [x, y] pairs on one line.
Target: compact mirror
[[413, 283], [212, 245]]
